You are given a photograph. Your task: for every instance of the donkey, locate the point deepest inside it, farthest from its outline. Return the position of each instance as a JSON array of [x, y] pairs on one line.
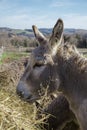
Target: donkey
[[59, 66]]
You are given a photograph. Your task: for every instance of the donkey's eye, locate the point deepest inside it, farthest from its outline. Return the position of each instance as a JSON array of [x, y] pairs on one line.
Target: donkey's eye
[[38, 65]]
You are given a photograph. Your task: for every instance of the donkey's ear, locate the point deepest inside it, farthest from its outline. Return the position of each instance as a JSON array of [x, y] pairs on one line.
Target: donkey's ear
[[39, 36], [57, 33]]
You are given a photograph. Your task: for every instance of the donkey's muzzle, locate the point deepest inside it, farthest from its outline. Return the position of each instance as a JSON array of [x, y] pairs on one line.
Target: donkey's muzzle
[[23, 91]]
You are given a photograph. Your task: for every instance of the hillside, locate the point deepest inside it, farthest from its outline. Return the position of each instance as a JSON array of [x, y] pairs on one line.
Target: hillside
[[46, 31], [25, 38]]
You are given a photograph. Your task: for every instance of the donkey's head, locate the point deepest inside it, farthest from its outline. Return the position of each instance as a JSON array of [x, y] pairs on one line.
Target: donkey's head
[[41, 71]]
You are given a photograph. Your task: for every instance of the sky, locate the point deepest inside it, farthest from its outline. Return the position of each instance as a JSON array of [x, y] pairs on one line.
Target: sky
[[22, 14]]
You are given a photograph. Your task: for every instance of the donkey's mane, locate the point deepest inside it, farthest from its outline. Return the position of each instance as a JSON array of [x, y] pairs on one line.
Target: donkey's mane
[[71, 56]]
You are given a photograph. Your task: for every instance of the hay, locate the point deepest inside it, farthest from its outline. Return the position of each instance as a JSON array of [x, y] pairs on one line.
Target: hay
[[14, 114]]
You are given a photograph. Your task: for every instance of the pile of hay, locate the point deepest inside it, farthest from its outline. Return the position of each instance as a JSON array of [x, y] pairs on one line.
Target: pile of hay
[[15, 114], [10, 73]]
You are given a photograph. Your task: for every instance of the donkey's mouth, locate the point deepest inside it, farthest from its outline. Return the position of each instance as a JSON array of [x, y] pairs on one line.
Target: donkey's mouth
[[31, 100]]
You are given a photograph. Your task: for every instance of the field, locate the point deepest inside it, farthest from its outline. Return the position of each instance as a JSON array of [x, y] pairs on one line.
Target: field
[[16, 114], [11, 56]]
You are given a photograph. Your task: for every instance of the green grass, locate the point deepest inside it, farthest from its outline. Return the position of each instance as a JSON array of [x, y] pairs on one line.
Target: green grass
[[10, 56], [85, 55], [17, 31]]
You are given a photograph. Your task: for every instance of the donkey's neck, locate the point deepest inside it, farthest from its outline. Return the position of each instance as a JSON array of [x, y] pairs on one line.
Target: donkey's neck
[[73, 76]]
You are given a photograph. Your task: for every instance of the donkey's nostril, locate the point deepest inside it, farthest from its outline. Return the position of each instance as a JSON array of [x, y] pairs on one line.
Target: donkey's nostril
[[24, 94], [20, 93]]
